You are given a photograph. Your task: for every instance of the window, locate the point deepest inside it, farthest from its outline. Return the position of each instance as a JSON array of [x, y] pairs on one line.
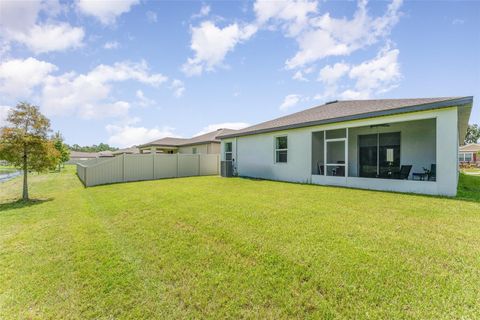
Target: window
[[465, 157], [194, 150], [228, 151], [281, 149]]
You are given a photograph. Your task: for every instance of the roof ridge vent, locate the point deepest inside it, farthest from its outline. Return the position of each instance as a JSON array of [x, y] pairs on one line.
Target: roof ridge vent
[[330, 102]]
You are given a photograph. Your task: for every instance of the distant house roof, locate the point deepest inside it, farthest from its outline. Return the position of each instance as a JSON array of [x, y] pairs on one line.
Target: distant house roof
[[79, 154], [471, 147], [337, 111], [131, 150], [104, 154], [210, 137]]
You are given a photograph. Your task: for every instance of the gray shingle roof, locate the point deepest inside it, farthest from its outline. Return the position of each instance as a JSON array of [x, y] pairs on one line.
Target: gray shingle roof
[[338, 111], [177, 142]]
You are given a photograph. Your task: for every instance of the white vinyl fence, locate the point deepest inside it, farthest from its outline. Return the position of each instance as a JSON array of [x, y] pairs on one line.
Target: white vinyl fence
[[137, 167]]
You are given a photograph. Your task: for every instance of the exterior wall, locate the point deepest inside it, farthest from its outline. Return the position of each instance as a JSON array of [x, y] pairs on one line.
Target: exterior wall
[[207, 148], [136, 167], [254, 154]]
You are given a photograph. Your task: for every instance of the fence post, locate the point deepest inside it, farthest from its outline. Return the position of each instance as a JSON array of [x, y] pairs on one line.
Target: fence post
[[199, 164], [123, 167], [153, 166], [178, 161]]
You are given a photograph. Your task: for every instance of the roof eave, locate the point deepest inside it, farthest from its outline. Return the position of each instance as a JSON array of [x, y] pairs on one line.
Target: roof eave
[[422, 107]]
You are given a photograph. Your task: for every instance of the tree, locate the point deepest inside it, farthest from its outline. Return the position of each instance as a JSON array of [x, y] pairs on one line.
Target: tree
[[473, 133], [24, 142], [62, 148]]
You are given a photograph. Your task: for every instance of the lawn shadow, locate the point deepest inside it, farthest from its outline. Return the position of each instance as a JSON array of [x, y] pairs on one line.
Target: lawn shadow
[[19, 204]]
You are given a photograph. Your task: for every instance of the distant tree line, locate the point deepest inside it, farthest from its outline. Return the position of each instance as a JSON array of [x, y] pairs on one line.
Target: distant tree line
[[93, 148]]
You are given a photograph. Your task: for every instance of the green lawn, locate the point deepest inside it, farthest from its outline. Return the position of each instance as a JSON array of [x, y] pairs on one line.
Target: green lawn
[[211, 247]]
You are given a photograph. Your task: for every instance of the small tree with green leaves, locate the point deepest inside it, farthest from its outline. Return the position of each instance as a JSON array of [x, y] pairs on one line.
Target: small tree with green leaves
[[24, 142], [473, 133], [61, 148]]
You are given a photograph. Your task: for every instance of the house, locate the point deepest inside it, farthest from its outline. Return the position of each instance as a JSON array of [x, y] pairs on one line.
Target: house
[[404, 145], [131, 150], [207, 143], [469, 153], [78, 156]]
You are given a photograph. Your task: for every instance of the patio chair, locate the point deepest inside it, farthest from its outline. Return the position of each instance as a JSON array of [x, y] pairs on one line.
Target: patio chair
[[403, 173], [432, 176]]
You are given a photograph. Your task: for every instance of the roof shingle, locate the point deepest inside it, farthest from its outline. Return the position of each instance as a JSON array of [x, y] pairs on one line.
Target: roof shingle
[[346, 110]]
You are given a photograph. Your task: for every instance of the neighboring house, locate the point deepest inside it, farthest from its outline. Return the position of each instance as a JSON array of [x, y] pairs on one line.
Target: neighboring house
[[78, 156], [131, 150], [203, 144], [370, 144], [469, 153]]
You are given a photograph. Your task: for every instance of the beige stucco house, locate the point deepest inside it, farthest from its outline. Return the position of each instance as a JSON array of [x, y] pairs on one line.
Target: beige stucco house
[[207, 143]]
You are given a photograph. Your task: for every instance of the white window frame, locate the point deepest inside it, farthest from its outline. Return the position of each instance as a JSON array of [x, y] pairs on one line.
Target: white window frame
[[462, 158], [194, 150], [228, 152], [275, 149]]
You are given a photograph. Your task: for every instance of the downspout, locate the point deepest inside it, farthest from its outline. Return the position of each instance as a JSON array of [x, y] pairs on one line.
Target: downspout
[[236, 156]]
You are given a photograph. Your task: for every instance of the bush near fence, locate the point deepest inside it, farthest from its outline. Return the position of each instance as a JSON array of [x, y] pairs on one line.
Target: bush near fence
[[138, 167]]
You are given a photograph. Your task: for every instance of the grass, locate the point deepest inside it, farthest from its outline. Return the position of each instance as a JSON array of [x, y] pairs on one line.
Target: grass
[[210, 247]]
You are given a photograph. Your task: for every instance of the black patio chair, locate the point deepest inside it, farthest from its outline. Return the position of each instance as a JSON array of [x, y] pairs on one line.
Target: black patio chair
[[403, 173], [432, 175]]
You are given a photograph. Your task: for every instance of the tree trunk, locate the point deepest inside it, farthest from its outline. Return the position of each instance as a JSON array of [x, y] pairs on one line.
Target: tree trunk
[[25, 172]]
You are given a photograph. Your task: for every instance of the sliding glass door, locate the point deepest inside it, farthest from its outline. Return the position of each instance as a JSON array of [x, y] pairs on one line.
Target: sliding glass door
[[379, 154]]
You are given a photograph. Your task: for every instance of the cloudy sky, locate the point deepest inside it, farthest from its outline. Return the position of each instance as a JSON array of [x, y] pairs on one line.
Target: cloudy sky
[[126, 72]]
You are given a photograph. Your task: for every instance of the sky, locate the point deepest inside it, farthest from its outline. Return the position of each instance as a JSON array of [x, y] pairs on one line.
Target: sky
[[128, 72]]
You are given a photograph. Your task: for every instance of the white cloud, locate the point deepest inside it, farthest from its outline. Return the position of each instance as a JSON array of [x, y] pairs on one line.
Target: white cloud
[[50, 37], [292, 15], [19, 77], [178, 88], [111, 45], [204, 11], [331, 74], [151, 16], [18, 15], [211, 44], [128, 135], [105, 11], [375, 76], [290, 100], [4, 110], [224, 125], [142, 100], [367, 79], [18, 23], [327, 36], [89, 95], [299, 76], [458, 21]]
